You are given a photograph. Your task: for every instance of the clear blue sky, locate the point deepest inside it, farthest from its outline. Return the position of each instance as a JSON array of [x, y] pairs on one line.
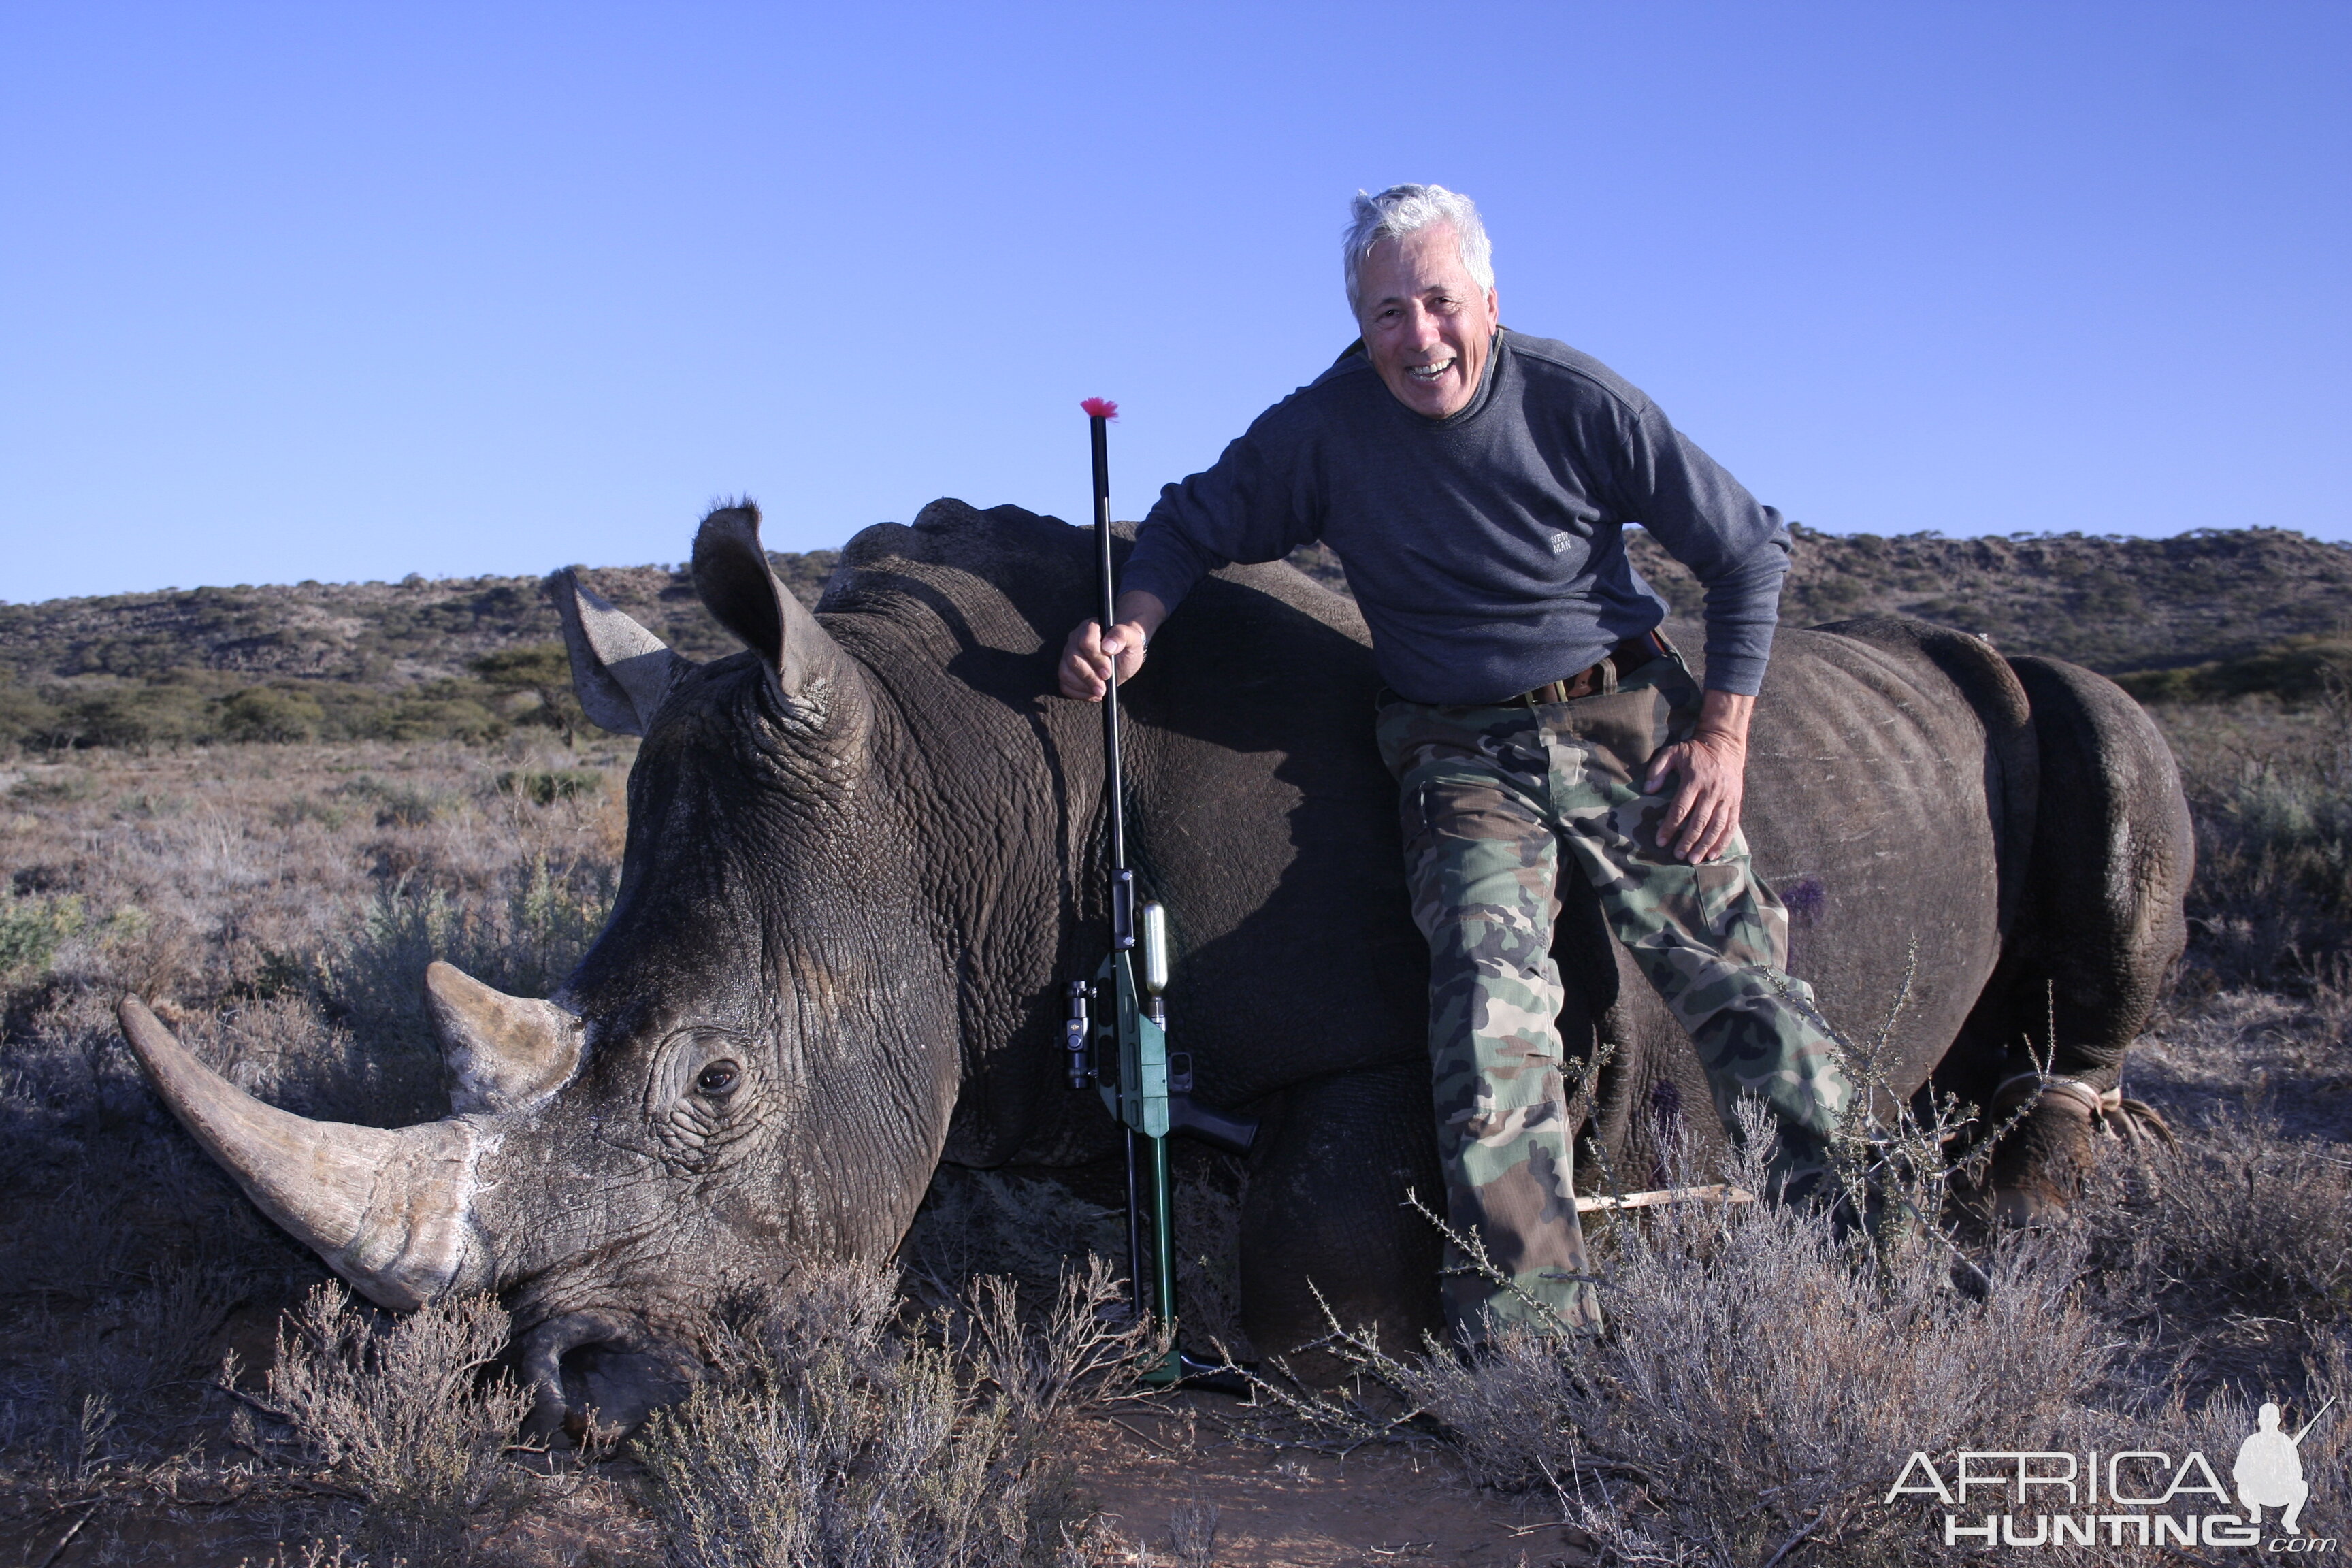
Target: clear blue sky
[[352, 291]]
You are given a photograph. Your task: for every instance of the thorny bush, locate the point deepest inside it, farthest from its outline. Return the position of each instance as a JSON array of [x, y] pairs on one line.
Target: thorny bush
[[830, 1438], [407, 1411]]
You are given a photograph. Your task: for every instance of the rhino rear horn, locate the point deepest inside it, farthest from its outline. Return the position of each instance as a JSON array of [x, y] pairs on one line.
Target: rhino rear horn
[[502, 1051], [620, 670], [741, 592]]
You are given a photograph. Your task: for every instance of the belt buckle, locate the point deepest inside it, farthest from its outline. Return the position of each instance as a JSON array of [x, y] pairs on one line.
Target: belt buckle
[[1552, 691]]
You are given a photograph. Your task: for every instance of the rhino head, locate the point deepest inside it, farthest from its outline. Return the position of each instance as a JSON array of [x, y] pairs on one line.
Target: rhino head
[[701, 1106]]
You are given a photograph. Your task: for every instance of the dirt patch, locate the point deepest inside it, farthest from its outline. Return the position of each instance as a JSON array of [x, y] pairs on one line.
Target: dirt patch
[[1154, 1472]]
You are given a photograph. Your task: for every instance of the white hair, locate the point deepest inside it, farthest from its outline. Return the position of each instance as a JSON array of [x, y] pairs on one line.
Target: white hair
[[1404, 209]]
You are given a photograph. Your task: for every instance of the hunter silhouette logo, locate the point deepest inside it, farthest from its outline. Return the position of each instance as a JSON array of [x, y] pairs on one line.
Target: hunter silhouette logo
[[2269, 1471], [2133, 1497]]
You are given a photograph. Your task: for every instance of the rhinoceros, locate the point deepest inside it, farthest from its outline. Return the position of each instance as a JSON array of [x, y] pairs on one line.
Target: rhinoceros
[[864, 858]]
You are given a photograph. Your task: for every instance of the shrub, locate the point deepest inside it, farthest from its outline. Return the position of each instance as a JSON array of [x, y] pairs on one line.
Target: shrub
[[523, 944], [403, 1410], [2235, 1210], [1763, 1371], [62, 787], [30, 930], [121, 1374], [2277, 830], [826, 1437], [24, 717], [2300, 669], [397, 805], [2274, 847], [548, 787], [139, 716], [1760, 1377], [304, 808], [542, 672], [268, 714]]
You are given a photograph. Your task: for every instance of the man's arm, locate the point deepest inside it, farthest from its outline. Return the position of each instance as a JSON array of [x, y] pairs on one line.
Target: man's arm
[[1091, 655], [1738, 549], [1234, 511], [1713, 765]]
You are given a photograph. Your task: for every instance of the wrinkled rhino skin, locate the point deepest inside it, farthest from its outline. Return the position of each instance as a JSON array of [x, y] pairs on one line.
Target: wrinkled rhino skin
[[864, 857]]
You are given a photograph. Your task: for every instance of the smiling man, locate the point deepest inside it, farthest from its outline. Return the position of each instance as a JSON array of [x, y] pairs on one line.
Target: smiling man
[[1477, 483]]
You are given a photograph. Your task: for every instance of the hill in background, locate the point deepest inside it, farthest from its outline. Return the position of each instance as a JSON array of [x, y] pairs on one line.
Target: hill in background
[[2210, 613]]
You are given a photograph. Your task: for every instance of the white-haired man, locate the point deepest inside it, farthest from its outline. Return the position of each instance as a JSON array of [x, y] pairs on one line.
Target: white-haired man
[[1477, 481]]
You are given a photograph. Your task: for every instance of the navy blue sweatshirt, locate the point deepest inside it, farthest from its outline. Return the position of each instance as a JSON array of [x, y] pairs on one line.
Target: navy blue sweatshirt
[[1485, 549]]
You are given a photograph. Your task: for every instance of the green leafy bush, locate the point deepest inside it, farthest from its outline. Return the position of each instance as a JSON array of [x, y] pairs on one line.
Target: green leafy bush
[[540, 672], [546, 788], [2300, 669], [139, 716], [25, 716], [272, 713], [30, 930]]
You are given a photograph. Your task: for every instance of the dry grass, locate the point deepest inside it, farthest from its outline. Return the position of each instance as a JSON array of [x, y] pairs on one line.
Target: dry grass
[[2238, 1217], [2272, 791]]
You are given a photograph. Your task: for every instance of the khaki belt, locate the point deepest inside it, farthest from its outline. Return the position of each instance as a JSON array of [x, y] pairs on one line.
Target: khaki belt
[[1615, 665]]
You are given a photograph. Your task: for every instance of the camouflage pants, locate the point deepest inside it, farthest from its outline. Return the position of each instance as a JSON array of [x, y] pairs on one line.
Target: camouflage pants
[[1491, 797]]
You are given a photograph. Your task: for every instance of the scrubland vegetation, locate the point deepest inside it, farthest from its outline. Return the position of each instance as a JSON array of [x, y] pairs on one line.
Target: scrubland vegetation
[[179, 1383], [469, 659], [2208, 615]]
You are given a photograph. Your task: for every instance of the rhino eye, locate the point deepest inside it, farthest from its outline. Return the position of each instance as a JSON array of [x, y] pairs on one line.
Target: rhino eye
[[718, 1078]]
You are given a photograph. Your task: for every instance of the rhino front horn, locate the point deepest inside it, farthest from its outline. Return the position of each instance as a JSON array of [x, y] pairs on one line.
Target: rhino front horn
[[390, 1210]]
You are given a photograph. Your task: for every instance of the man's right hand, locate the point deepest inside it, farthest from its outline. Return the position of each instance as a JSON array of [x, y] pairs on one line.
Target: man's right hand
[[1089, 657]]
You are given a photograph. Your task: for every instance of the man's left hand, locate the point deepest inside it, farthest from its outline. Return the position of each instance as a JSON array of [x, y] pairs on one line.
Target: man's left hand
[[1713, 767]]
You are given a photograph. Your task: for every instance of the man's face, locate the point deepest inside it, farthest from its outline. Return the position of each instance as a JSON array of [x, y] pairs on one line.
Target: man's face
[[1427, 324]]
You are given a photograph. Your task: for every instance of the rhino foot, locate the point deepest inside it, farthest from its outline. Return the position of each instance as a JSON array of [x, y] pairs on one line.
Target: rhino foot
[[2025, 1208], [2039, 1165]]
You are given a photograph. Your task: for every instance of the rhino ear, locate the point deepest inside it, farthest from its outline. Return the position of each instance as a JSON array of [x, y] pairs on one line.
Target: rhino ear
[[621, 670], [732, 573]]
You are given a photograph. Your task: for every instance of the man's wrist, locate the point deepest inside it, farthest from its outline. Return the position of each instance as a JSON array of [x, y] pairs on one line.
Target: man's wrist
[[1140, 609], [1723, 717]]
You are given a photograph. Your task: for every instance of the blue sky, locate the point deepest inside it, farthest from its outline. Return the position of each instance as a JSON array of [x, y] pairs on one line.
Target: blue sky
[[348, 291]]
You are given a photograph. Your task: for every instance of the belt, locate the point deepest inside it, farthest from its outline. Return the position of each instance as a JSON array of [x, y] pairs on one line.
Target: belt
[[1615, 665]]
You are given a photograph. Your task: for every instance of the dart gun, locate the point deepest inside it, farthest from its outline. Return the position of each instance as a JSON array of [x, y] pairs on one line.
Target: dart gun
[[1116, 1034]]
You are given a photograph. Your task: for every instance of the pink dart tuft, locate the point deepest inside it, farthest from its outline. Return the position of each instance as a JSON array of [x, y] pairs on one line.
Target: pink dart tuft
[[1100, 407]]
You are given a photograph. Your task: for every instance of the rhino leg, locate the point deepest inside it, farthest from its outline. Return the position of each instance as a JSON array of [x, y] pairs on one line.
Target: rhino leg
[[1327, 1212], [2095, 943]]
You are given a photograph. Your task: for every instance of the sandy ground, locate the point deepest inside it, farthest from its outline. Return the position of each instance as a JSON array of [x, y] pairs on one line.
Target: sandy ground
[[1291, 1508], [1150, 1471]]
